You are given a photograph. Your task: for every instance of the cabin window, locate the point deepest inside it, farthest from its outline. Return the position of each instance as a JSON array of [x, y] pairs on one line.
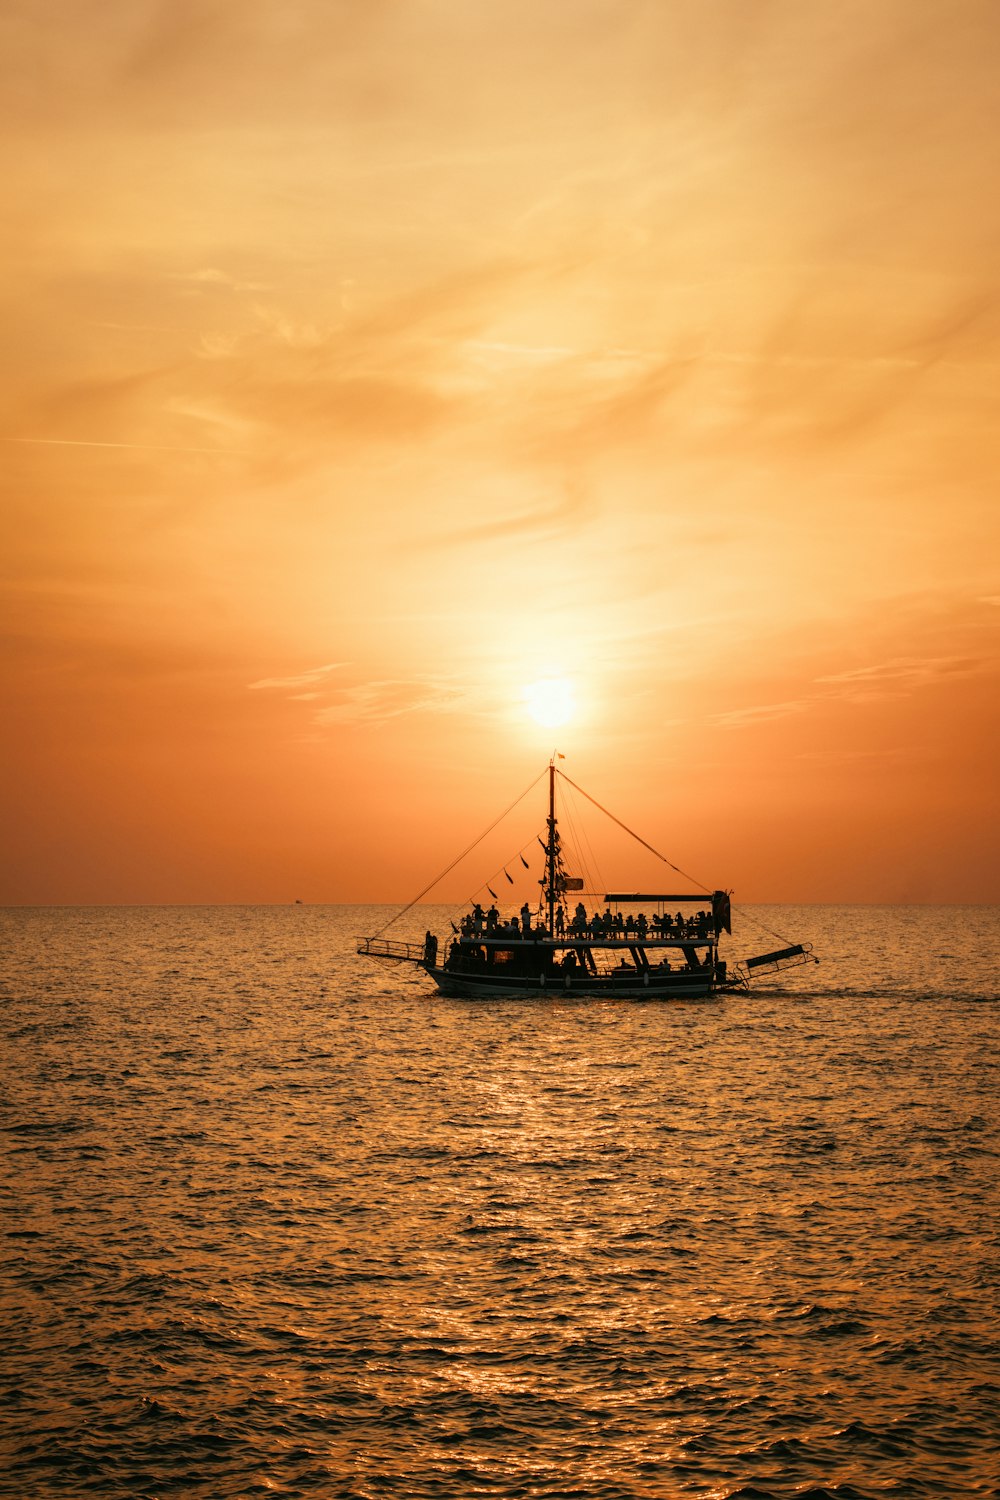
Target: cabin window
[[502, 956]]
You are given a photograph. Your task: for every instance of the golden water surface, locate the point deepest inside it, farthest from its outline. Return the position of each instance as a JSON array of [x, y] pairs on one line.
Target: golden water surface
[[279, 1222]]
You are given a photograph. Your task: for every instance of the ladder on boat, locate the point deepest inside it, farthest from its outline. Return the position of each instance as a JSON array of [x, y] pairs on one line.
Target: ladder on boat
[[774, 963]]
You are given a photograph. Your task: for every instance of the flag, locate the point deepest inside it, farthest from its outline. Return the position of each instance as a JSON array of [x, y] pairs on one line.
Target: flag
[[525, 863], [721, 912], [492, 892], [509, 877]]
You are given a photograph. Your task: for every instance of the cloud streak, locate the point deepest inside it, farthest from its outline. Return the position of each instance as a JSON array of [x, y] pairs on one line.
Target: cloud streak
[[315, 677], [896, 678], [380, 702]]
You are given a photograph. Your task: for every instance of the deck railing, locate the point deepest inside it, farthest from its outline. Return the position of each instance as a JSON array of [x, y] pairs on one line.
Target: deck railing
[[403, 953]]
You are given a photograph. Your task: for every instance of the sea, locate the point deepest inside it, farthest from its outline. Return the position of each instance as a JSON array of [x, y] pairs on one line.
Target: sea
[[280, 1221]]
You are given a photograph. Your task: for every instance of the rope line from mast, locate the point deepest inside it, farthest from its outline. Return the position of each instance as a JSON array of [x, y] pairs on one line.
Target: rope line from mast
[[438, 878], [756, 922], [741, 909], [632, 834], [501, 869], [581, 847]]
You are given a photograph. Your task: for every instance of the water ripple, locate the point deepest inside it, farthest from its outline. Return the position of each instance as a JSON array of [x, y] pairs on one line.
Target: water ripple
[[277, 1224]]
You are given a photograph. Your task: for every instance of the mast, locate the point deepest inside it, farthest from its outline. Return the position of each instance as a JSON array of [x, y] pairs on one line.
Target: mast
[[550, 849]]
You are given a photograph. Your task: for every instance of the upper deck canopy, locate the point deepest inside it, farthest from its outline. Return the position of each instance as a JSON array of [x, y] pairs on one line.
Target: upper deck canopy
[[701, 898]]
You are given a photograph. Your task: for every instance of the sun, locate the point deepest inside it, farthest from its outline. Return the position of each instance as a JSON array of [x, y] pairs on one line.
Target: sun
[[550, 701]]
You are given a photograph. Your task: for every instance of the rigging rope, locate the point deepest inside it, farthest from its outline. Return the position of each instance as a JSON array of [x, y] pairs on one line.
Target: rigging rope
[[625, 828], [741, 909], [438, 878], [581, 847], [662, 857], [502, 869]]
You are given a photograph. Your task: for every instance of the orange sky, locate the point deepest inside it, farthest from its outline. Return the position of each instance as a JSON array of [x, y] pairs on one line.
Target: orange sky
[[365, 362]]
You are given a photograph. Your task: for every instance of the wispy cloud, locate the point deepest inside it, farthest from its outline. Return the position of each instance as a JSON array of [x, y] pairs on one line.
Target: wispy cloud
[[95, 443], [378, 702], [211, 276], [900, 675], [843, 755], [891, 679], [332, 701], [763, 713], [312, 678]]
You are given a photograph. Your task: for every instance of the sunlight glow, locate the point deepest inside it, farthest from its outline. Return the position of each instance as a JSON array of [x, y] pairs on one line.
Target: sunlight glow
[[550, 701]]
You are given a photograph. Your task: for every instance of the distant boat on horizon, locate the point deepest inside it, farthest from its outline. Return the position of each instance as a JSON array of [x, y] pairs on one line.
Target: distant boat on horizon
[[624, 951]]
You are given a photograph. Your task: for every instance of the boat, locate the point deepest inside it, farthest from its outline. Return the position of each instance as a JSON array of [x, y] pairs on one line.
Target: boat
[[643, 945]]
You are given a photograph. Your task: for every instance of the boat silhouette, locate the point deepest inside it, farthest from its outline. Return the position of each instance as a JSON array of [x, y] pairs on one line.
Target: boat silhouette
[[644, 945]]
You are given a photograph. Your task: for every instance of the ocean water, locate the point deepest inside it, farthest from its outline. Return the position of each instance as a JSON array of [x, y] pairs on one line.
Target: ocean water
[[278, 1221]]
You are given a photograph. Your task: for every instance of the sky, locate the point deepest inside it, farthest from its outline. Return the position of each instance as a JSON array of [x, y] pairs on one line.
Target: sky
[[369, 361]]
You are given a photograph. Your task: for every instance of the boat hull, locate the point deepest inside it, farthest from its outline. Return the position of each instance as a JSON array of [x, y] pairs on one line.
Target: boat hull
[[647, 986]]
